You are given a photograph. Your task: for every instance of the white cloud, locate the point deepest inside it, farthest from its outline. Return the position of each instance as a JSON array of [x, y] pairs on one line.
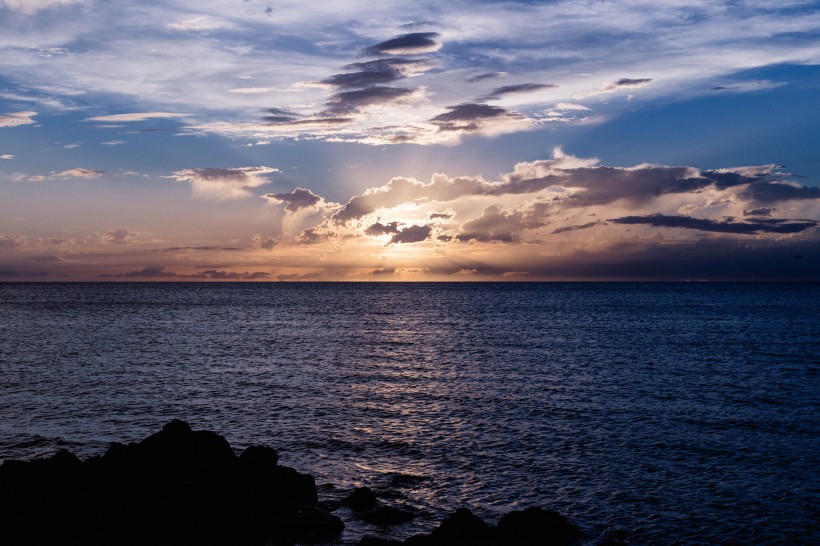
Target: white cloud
[[7, 156], [89, 174], [136, 116], [223, 184], [197, 23], [13, 119], [113, 143]]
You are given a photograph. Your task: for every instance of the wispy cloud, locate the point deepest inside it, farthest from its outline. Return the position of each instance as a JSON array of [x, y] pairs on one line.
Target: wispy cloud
[[30, 7], [13, 119], [78, 172], [135, 116]]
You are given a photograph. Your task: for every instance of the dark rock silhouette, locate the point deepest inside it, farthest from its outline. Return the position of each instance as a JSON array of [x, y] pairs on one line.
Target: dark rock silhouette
[[360, 500], [385, 516], [530, 527], [178, 486], [183, 487]]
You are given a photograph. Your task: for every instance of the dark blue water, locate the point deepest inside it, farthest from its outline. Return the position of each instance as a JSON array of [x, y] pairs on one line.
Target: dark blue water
[[662, 413]]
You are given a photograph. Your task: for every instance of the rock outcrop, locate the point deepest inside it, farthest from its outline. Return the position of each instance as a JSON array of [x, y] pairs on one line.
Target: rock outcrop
[[178, 486]]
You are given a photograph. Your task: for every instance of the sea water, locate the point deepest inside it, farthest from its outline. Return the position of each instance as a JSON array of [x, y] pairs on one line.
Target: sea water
[[651, 413]]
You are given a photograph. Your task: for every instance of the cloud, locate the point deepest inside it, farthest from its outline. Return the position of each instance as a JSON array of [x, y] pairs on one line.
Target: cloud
[[379, 71], [378, 229], [135, 116], [762, 211], [358, 99], [14, 119], [773, 192], [407, 44], [7, 156], [297, 199], [407, 190], [499, 92], [261, 242], [761, 225], [446, 215], [495, 224], [412, 234], [120, 236], [30, 7], [159, 272], [221, 184], [113, 143], [251, 90], [623, 83], [199, 249], [567, 229], [486, 76], [471, 117], [196, 24], [78, 172]]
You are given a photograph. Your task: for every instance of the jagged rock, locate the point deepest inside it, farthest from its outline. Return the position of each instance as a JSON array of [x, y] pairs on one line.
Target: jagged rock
[[385, 516], [530, 527], [178, 486], [259, 457], [536, 526], [360, 500]]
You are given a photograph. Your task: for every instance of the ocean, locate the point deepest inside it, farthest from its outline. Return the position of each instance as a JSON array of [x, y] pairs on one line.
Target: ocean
[[654, 413]]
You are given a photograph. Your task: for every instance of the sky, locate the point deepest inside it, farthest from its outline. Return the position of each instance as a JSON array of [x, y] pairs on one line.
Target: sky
[[248, 140]]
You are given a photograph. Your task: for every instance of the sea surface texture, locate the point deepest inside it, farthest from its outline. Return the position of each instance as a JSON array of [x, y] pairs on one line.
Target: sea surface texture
[[651, 413]]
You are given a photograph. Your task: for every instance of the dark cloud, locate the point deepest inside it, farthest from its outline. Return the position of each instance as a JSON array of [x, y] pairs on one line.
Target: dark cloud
[[761, 225], [158, 272], [148, 272], [412, 234], [315, 122], [299, 198], [603, 185], [378, 229], [355, 100], [232, 275], [406, 44], [441, 215], [629, 82], [588, 225], [311, 236], [417, 24], [496, 225], [363, 78], [772, 192], [708, 258], [379, 71], [724, 179], [471, 117], [485, 76], [383, 272], [277, 115], [763, 211], [499, 92]]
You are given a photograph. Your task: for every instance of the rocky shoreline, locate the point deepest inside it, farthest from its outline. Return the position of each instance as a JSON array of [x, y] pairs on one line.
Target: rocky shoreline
[[181, 486]]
